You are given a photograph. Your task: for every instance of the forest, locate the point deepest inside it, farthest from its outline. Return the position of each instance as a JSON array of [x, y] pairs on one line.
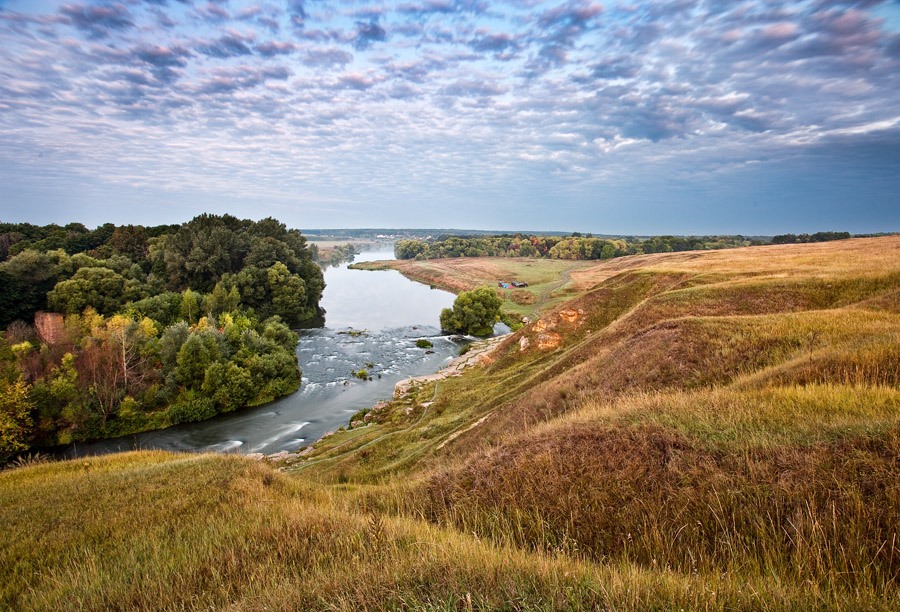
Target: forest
[[583, 247], [124, 329]]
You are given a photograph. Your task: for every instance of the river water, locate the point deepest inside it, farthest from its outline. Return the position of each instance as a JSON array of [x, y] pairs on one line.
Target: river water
[[372, 322]]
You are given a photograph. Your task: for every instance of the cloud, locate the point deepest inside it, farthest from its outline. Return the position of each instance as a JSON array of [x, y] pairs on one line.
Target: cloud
[[564, 23], [367, 34], [296, 10], [98, 21], [275, 47], [228, 45], [163, 19], [556, 97], [244, 77], [493, 43], [327, 57], [442, 7], [472, 88], [169, 57], [359, 82], [618, 67], [213, 13]]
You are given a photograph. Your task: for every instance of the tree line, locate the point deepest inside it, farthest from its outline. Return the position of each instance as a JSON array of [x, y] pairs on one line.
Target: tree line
[[576, 246], [583, 247], [817, 237], [147, 327]]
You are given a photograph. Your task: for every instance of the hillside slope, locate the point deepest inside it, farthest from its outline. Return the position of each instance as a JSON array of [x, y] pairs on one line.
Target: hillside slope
[[687, 411], [704, 430]]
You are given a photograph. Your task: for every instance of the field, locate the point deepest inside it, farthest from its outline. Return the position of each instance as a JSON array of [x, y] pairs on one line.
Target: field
[[549, 280], [716, 430]]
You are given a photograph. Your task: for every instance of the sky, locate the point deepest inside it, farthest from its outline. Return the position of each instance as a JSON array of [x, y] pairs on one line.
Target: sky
[[677, 117]]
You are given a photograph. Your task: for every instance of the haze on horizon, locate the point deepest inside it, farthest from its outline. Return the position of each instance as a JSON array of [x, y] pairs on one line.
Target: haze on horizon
[[678, 117]]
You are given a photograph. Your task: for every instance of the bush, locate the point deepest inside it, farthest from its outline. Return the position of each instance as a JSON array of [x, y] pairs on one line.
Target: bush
[[188, 411], [423, 343]]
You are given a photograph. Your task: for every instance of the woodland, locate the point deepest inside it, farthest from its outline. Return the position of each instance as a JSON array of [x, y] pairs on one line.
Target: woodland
[[124, 329]]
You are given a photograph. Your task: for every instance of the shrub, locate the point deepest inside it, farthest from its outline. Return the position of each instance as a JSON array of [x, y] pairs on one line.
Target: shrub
[[187, 411]]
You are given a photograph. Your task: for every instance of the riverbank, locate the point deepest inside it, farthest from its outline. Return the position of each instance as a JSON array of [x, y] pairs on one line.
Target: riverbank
[[476, 354], [404, 391], [549, 281]]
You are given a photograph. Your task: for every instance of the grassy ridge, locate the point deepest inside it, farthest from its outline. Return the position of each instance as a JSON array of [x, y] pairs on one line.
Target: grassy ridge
[[700, 430], [711, 419], [219, 532]]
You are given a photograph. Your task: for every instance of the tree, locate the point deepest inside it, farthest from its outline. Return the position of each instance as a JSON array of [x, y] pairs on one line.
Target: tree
[[101, 288], [473, 312], [190, 306], [27, 279], [222, 300], [15, 418], [131, 241], [202, 250], [198, 352], [408, 249], [288, 293], [229, 385]]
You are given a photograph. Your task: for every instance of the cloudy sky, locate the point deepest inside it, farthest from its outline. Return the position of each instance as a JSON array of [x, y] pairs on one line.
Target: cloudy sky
[[685, 116]]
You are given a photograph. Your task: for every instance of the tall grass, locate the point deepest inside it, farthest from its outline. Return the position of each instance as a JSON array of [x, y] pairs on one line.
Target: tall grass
[[800, 485], [155, 531]]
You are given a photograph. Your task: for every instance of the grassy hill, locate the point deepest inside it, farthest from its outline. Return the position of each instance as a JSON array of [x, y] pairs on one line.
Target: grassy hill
[[694, 430]]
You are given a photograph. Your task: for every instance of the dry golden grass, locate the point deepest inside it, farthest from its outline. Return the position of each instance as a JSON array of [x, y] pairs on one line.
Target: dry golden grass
[[156, 531], [855, 257]]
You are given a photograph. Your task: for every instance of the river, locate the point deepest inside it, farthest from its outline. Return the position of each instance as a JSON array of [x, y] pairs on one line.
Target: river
[[372, 321]]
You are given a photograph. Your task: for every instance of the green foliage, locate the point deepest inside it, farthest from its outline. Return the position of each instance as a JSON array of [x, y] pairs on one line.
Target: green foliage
[[27, 278], [164, 308], [229, 385], [262, 264], [817, 237], [198, 353], [222, 300], [128, 350], [130, 241], [280, 334], [473, 312], [114, 265], [15, 418], [190, 410], [288, 293], [574, 247], [335, 255], [101, 288], [189, 309], [424, 343]]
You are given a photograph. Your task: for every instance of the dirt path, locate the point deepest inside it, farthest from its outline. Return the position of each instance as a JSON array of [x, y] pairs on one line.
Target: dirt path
[[544, 297]]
